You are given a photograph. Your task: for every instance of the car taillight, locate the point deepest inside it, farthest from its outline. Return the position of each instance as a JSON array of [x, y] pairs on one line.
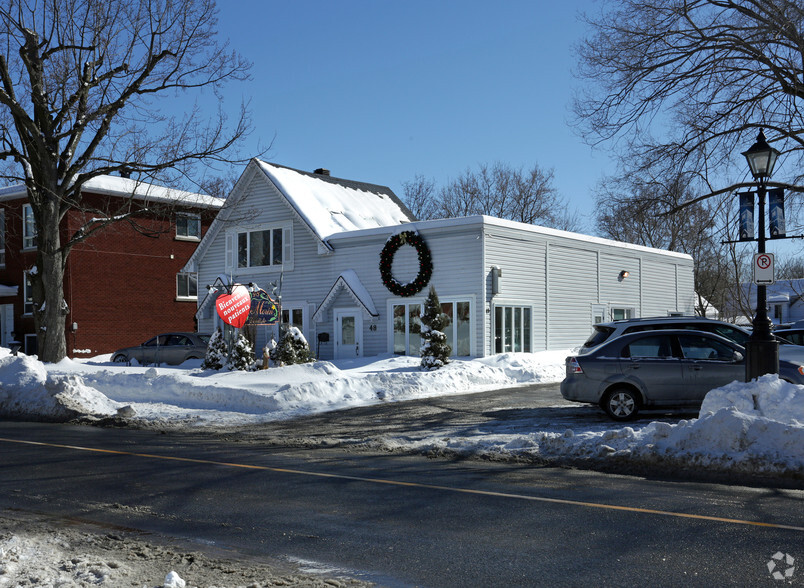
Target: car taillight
[[573, 366]]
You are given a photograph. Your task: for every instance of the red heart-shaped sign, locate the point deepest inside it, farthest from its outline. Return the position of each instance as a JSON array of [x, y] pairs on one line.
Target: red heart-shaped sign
[[234, 308]]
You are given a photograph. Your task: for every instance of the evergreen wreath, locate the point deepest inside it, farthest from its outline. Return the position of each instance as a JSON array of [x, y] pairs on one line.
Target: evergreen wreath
[[387, 259]]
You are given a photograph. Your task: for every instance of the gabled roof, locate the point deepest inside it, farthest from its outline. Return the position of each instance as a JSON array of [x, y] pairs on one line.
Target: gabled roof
[[326, 205], [348, 281], [331, 205], [129, 188]]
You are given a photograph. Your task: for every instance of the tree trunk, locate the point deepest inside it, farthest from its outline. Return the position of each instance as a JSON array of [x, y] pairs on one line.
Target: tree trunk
[[48, 285]]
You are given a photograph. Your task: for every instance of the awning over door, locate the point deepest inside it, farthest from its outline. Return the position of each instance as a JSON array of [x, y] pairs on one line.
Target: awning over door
[[348, 281]]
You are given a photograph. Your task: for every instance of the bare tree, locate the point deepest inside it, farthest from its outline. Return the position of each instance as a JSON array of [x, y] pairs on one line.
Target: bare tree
[[84, 86], [644, 210], [497, 190], [419, 197], [685, 84]]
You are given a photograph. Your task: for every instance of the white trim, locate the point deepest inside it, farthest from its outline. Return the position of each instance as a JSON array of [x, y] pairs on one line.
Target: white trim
[[349, 281], [232, 236]]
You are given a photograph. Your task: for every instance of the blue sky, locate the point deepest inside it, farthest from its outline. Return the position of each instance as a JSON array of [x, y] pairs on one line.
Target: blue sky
[[381, 91]]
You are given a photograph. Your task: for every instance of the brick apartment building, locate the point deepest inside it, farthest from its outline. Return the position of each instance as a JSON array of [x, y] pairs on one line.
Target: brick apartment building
[[123, 284]]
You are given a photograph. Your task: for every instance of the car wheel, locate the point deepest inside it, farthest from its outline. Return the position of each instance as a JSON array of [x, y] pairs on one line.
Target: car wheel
[[621, 404], [120, 358]]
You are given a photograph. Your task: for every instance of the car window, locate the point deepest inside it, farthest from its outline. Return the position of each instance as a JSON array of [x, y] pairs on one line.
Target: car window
[[650, 347], [179, 340], [150, 342], [704, 348], [732, 333], [204, 338], [797, 338], [599, 336]]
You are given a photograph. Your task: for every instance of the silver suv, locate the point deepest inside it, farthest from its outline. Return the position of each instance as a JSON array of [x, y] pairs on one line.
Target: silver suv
[[606, 331]]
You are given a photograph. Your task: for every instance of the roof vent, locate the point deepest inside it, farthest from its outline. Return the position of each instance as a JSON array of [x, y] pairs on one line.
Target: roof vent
[[321, 171]]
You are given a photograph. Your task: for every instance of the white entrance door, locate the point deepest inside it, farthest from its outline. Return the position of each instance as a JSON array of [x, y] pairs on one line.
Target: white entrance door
[[348, 333]]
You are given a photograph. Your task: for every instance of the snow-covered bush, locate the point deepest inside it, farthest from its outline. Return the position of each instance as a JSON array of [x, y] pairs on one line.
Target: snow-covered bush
[[217, 352], [292, 348], [242, 355], [435, 350]]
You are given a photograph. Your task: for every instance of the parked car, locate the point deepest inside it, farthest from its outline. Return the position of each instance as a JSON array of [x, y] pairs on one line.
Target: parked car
[[605, 331], [664, 368], [795, 336], [170, 348]]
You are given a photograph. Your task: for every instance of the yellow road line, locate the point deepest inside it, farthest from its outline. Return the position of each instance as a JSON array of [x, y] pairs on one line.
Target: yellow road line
[[415, 485]]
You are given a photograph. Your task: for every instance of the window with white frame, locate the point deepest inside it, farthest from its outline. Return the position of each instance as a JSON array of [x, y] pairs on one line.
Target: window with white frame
[[28, 227], [266, 247], [28, 294], [294, 317], [188, 226], [187, 286], [407, 327], [620, 313], [2, 238], [513, 328]]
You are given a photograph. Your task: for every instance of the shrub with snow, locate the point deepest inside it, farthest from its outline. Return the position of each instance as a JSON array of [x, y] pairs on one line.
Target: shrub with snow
[[242, 355], [292, 348], [217, 352], [435, 350]]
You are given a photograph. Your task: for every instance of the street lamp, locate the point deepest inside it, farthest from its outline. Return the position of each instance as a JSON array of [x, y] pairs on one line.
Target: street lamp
[[762, 348]]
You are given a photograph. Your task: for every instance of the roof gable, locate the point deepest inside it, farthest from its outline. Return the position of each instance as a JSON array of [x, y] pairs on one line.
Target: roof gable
[[332, 205]]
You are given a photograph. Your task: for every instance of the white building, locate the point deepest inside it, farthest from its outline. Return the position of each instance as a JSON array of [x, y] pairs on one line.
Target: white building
[[507, 286]]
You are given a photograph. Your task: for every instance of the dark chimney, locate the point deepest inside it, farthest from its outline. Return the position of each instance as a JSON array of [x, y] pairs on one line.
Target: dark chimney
[[321, 171]]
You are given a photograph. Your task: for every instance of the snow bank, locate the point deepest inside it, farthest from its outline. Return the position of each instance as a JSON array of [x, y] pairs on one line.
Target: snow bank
[[28, 391], [756, 427]]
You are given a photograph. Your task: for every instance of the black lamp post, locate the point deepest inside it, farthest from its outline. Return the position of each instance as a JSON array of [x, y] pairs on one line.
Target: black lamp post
[[762, 348]]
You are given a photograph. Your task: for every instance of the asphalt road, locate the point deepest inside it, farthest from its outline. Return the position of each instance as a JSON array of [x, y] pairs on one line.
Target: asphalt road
[[403, 520]]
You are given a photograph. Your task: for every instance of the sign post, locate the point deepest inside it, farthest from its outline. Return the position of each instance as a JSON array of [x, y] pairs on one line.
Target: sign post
[[764, 269]]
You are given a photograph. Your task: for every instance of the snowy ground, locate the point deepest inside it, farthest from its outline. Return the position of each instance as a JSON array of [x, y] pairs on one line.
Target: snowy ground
[[754, 428]]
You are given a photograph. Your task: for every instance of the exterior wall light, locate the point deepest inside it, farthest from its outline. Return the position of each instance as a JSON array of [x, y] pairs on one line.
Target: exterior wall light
[[623, 274]]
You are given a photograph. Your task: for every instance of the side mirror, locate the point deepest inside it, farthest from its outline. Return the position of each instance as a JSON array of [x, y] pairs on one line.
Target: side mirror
[[737, 357]]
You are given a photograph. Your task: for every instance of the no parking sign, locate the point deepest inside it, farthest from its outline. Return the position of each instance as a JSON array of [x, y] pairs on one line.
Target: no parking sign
[[763, 269]]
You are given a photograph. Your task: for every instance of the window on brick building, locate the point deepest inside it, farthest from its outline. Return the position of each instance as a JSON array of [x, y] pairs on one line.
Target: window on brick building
[[28, 228], [28, 294], [2, 238], [187, 286], [188, 226]]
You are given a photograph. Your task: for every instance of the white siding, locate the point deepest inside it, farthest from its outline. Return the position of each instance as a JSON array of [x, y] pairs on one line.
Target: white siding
[[572, 286], [655, 295], [559, 276]]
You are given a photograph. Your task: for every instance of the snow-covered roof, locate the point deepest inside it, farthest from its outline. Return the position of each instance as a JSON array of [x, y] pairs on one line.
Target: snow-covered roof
[[482, 221], [349, 281], [333, 205], [127, 187]]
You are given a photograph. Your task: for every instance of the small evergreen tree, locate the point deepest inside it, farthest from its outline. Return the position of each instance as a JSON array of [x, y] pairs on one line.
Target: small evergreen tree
[[292, 347], [435, 349], [217, 352], [242, 356]]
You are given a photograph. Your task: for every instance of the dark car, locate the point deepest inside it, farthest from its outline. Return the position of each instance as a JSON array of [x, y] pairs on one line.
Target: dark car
[[170, 348], [665, 368], [795, 336]]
